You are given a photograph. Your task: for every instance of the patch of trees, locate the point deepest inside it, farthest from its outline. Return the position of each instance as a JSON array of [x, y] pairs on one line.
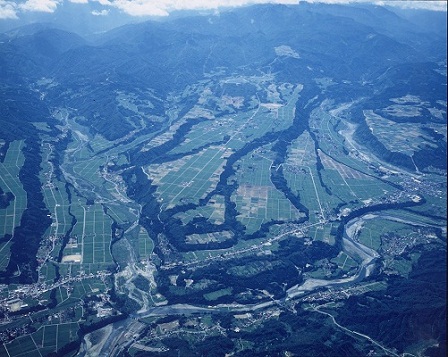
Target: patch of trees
[[304, 333], [176, 233], [214, 346], [139, 158], [59, 150], [67, 349], [275, 275], [141, 283], [279, 181], [430, 156], [5, 198], [3, 150], [211, 346], [16, 114], [86, 328], [300, 254]]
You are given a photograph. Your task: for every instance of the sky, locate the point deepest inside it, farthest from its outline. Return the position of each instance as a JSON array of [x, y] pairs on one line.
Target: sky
[[14, 9]]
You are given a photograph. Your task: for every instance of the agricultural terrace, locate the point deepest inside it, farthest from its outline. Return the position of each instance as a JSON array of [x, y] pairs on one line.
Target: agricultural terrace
[[9, 182], [189, 178], [193, 176], [399, 137], [257, 199], [88, 173], [324, 122], [350, 177], [303, 179], [55, 195], [89, 243], [357, 185], [213, 211]]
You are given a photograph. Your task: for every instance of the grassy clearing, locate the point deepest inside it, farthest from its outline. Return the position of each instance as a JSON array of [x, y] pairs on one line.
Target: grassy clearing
[[344, 262], [370, 234], [215, 295], [322, 233]]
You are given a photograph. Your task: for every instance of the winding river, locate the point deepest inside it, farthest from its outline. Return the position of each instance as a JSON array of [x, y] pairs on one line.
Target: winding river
[[352, 248]]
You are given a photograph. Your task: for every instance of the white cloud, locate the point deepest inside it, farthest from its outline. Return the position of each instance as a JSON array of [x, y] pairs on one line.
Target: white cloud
[[104, 2], [40, 5], [8, 10], [164, 7], [427, 4], [142, 7], [100, 13], [437, 5]]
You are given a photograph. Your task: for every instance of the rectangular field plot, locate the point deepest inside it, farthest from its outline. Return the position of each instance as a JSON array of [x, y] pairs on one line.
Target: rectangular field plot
[[48, 273], [88, 286], [89, 169], [23, 346], [145, 244], [66, 333], [322, 233], [99, 143], [50, 338], [260, 203], [370, 234]]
